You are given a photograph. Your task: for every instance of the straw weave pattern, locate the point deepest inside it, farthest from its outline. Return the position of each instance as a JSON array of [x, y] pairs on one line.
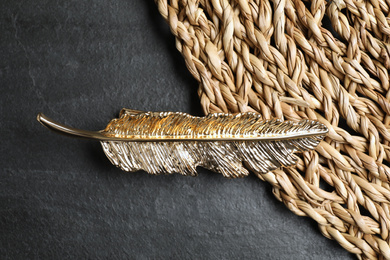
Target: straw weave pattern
[[291, 59]]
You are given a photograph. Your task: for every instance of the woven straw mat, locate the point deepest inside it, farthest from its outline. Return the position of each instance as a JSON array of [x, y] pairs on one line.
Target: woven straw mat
[[293, 59]]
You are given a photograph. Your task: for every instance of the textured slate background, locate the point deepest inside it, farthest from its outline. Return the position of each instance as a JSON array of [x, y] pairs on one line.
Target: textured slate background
[[80, 62]]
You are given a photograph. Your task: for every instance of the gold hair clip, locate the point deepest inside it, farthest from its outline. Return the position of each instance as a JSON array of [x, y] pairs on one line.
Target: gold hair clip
[[174, 142]]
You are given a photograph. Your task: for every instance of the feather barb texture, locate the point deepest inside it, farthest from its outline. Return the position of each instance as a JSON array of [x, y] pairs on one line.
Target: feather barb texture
[[169, 142]]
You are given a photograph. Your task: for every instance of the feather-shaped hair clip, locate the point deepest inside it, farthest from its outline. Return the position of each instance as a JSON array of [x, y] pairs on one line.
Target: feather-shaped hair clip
[[169, 142]]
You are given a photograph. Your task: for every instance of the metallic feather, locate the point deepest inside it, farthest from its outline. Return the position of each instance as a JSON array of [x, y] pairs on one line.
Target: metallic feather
[[169, 142]]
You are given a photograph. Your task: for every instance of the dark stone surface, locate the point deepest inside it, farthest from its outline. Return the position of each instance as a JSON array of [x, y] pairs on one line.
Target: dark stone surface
[[80, 62]]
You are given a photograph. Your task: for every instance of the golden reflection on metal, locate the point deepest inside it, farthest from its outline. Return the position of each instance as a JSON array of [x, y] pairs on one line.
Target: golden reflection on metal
[[174, 142]]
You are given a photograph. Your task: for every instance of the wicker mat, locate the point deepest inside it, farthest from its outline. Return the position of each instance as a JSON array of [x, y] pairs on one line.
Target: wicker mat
[[294, 59]]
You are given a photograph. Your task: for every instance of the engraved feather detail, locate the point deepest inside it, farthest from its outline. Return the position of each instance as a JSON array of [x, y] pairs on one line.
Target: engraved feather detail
[[169, 142]]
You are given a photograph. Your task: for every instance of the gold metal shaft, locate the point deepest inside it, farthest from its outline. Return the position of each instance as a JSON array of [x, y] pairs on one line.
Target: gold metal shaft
[[103, 136]]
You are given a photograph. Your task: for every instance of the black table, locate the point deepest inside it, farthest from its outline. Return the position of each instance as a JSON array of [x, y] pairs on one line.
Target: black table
[[80, 62]]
